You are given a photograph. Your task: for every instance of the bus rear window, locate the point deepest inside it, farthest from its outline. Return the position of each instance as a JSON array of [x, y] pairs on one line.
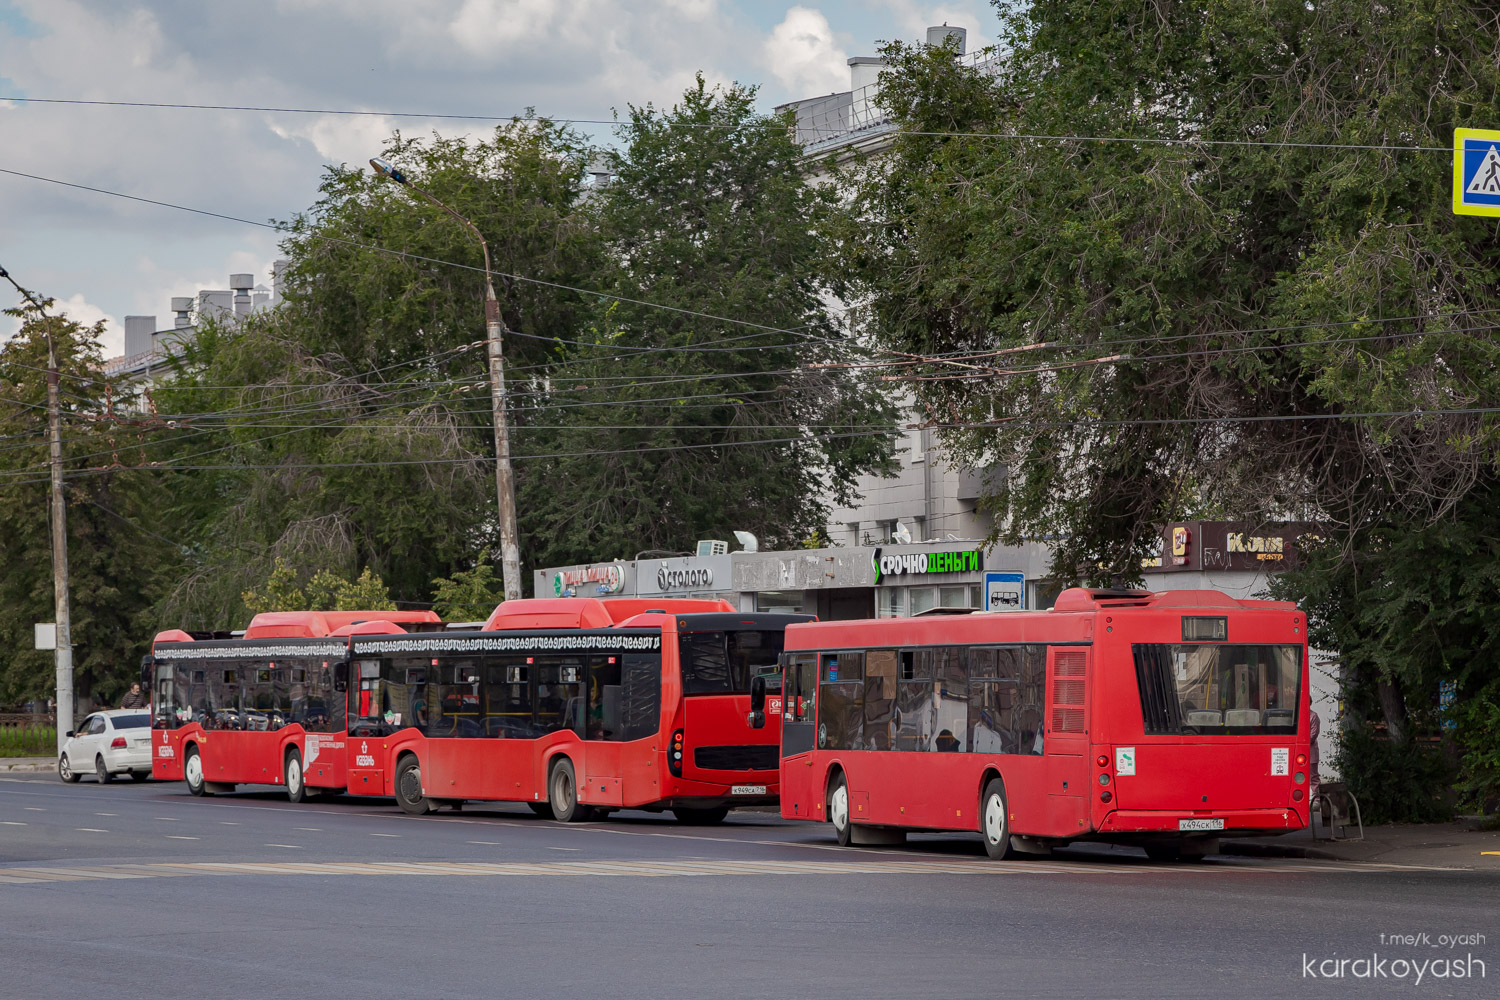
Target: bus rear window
[[725, 662], [1218, 688]]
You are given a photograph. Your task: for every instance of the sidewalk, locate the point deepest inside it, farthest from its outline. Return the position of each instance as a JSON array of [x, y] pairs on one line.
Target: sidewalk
[[24, 765], [1447, 845]]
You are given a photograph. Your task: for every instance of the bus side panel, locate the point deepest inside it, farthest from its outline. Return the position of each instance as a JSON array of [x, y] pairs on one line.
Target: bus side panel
[[641, 765], [166, 752], [937, 791], [801, 787], [458, 768], [599, 782], [324, 761]]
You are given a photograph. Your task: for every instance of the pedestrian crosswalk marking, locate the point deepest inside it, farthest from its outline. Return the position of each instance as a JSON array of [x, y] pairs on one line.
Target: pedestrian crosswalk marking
[[658, 869]]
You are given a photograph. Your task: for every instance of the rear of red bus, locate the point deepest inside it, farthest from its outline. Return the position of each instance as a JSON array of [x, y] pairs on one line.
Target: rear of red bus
[[1197, 719], [715, 758]]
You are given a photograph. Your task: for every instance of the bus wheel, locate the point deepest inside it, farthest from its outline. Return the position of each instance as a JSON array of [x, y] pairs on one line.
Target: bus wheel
[[192, 772], [700, 817], [296, 787], [563, 794], [540, 808], [838, 810], [409, 788], [995, 820]]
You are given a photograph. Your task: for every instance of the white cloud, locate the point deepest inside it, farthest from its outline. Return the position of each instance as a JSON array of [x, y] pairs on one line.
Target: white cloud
[[80, 310], [803, 55], [915, 18]]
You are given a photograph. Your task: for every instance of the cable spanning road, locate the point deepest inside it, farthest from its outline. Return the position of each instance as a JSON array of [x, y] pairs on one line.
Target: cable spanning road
[[140, 890]]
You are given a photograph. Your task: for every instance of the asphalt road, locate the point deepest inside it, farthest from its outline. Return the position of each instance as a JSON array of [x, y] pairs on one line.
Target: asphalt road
[[142, 891]]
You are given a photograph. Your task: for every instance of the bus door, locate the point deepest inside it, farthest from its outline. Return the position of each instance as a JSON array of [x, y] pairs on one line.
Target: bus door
[[799, 688]]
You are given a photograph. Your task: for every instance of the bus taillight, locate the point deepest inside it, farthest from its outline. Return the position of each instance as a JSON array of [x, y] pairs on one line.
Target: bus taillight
[[1103, 760], [674, 756], [1301, 759]]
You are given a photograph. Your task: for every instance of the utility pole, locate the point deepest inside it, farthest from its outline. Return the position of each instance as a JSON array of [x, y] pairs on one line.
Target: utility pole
[[494, 328], [59, 528]]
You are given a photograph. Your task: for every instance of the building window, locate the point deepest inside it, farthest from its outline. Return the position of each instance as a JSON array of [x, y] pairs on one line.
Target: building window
[[779, 601], [890, 603], [921, 599]]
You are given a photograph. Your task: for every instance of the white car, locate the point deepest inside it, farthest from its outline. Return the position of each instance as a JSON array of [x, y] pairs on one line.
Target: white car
[[108, 743]]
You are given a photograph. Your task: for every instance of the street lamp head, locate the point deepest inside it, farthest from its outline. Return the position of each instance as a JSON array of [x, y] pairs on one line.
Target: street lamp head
[[385, 169]]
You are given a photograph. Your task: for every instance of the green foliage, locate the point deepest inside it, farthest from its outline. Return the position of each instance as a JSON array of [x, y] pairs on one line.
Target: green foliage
[[117, 566], [28, 741], [1395, 782], [710, 212], [469, 595], [1188, 286], [1478, 727], [324, 591]]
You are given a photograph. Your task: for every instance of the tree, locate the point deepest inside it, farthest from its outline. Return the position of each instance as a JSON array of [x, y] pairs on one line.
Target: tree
[[118, 565], [657, 426], [324, 591], [470, 595]]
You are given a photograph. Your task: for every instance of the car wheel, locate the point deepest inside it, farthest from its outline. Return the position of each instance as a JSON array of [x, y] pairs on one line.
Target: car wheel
[[101, 772], [994, 820], [139, 775], [701, 817], [563, 794], [65, 770], [296, 787], [409, 788], [192, 772], [838, 811]]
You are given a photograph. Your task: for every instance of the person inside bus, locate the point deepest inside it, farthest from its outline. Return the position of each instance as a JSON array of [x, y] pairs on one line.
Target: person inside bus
[[946, 742]]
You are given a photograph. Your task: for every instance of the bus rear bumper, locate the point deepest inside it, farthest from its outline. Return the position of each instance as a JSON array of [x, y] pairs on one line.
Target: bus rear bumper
[[1236, 821]]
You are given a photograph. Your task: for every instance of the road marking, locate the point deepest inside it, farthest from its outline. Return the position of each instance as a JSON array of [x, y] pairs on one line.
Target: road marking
[[106, 814], [290, 847], [173, 836], [88, 829], [564, 848], [225, 822], [650, 869], [39, 809], [168, 819], [311, 829], [10, 822], [397, 835], [486, 843]]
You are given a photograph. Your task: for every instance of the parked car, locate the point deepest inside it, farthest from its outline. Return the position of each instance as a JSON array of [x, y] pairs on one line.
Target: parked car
[[108, 743]]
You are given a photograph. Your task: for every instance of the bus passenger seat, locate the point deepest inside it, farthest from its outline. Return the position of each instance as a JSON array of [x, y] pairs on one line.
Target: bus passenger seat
[[1205, 717], [1242, 717]]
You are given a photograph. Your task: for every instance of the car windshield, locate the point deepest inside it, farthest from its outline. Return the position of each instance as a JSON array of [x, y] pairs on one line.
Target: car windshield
[[131, 721]]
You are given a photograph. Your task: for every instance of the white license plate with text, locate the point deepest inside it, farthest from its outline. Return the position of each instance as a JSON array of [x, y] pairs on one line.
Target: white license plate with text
[[747, 790], [1200, 824]]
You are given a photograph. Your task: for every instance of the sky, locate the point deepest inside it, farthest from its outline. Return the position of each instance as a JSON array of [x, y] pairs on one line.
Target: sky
[[103, 258]]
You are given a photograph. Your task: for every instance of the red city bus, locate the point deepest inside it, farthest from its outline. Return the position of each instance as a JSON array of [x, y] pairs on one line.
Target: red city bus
[[261, 709], [1164, 720], [650, 712]]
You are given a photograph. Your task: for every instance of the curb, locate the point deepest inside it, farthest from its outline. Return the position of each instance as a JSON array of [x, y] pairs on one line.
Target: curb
[[28, 767], [1251, 849]]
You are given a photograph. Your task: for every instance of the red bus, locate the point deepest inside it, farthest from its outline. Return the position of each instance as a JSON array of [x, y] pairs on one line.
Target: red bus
[[1163, 720], [649, 712], [261, 709]]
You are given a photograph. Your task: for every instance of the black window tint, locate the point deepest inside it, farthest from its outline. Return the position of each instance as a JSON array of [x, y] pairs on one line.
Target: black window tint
[[604, 709], [453, 700], [840, 716], [915, 712], [641, 698], [1033, 698], [754, 653], [559, 693], [992, 716], [881, 668], [131, 721], [843, 666], [800, 686], [952, 697], [705, 663]]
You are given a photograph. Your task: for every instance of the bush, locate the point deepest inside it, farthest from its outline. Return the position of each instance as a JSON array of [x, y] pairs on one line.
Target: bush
[[1478, 719], [1395, 782]]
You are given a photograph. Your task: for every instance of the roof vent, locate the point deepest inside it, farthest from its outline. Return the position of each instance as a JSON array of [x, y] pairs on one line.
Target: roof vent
[[942, 35]]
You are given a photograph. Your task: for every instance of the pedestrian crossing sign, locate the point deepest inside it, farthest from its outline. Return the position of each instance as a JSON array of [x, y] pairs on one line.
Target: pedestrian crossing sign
[[1476, 171]]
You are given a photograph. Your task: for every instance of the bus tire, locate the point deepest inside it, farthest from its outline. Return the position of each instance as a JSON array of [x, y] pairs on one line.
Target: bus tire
[[65, 770], [562, 794], [192, 772], [296, 779], [994, 821], [838, 810], [409, 788], [700, 817]]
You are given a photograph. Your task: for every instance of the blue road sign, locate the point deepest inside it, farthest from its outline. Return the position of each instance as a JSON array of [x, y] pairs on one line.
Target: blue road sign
[[1476, 171], [1004, 591]]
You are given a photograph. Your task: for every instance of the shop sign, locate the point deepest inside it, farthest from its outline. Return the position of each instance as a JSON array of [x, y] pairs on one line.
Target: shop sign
[[691, 578], [606, 579], [925, 563]]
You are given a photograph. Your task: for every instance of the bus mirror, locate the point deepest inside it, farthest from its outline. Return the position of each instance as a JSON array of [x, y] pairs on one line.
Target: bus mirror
[[758, 693], [341, 675], [148, 667]]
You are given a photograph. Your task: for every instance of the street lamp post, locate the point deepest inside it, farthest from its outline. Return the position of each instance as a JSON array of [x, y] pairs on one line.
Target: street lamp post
[[510, 551], [61, 607]]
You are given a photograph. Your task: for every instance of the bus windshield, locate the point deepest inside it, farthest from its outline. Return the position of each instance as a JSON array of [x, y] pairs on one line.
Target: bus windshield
[[1218, 688], [725, 662]]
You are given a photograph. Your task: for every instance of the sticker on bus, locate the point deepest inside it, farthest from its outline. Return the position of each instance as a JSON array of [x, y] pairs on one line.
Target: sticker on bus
[[747, 790], [1280, 761], [1124, 760], [165, 751], [1200, 824]]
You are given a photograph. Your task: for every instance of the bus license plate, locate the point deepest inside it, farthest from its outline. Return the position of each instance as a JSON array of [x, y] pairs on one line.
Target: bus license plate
[[1200, 824], [747, 790]]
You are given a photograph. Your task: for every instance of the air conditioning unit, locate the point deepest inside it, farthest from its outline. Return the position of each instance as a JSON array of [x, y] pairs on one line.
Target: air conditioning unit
[[712, 547]]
